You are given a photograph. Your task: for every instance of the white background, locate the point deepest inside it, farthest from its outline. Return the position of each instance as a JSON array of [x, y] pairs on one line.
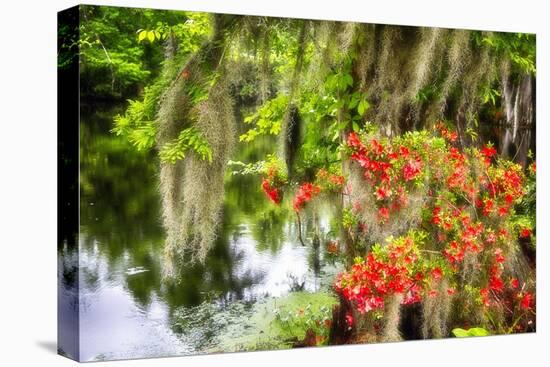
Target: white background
[[28, 182]]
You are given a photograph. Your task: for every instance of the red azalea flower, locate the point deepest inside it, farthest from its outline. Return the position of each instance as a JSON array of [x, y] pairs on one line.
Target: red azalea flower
[[376, 147], [412, 169], [499, 257], [436, 219], [503, 211], [526, 301], [392, 156], [404, 151], [509, 199], [383, 214], [271, 192], [353, 140], [489, 207], [304, 194], [525, 232], [495, 283], [488, 151], [382, 193], [437, 273]]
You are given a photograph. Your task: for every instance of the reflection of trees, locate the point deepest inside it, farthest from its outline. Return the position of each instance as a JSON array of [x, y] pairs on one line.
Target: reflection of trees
[[245, 200], [120, 215], [119, 205], [216, 278]]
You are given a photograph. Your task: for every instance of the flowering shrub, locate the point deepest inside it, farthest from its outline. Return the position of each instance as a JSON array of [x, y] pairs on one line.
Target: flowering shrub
[[469, 210], [385, 271], [468, 201], [391, 169]]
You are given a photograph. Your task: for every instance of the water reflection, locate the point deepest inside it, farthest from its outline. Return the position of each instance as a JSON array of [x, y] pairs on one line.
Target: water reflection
[[126, 309]]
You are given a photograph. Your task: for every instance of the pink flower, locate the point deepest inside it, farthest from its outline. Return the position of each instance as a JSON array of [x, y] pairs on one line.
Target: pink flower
[[412, 169]]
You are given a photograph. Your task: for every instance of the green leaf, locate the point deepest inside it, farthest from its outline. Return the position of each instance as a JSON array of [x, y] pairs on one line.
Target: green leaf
[[348, 80], [151, 36], [460, 333], [363, 106], [188, 138], [476, 331], [142, 35]]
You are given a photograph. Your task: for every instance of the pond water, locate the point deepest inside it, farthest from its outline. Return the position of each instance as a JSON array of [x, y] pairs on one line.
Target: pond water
[[126, 309]]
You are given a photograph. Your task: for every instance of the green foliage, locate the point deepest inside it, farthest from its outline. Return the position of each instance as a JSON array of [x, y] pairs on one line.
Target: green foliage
[[138, 123], [241, 168], [295, 323], [188, 138], [267, 119], [271, 164], [475, 331], [190, 34], [68, 42], [349, 220], [490, 95], [116, 60], [520, 47]]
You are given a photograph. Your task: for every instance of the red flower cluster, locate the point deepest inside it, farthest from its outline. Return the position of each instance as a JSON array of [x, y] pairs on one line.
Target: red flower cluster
[[488, 152], [271, 185], [271, 192], [412, 169], [448, 134], [526, 300], [392, 270], [304, 194], [525, 232], [471, 202], [390, 169]]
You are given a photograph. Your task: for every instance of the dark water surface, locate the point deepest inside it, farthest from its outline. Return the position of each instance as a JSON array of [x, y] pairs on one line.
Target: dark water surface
[[126, 310]]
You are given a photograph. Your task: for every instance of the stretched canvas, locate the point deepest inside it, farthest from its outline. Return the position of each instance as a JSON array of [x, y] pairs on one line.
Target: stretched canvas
[[240, 183]]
